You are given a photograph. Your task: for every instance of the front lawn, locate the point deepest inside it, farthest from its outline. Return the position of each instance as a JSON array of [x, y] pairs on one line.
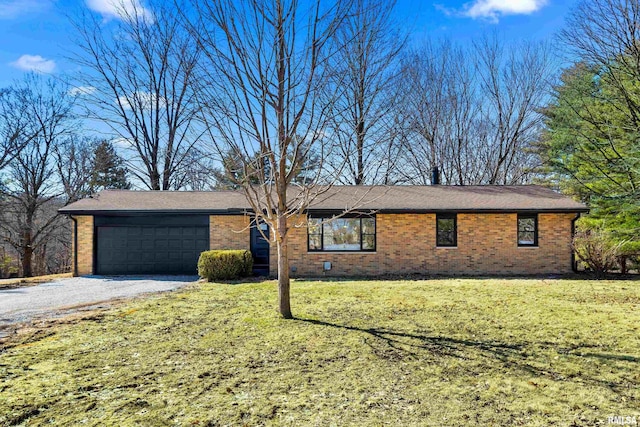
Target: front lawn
[[401, 353]]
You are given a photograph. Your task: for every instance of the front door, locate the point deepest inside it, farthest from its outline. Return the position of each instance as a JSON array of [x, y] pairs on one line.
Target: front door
[[260, 249]]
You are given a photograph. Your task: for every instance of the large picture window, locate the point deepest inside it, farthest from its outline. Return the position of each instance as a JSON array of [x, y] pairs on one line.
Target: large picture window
[[527, 230], [446, 230], [342, 234]]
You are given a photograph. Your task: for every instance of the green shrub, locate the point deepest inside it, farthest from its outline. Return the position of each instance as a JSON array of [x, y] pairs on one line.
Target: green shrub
[[225, 264]]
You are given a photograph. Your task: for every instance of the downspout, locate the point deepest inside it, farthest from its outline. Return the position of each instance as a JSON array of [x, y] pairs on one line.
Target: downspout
[[574, 264], [75, 245]]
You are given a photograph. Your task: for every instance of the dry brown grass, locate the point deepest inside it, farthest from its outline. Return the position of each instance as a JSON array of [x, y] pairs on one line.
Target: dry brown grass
[[410, 353]]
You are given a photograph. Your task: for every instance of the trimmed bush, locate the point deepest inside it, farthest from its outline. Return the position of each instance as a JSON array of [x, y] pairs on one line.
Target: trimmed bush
[[225, 264]]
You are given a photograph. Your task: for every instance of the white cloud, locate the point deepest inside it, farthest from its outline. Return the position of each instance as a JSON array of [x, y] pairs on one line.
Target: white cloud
[[35, 63], [142, 101], [120, 9], [10, 9], [493, 9], [122, 142], [81, 90]]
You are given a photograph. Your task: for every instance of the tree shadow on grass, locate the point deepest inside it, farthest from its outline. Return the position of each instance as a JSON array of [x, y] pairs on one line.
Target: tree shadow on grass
[[521, 356]]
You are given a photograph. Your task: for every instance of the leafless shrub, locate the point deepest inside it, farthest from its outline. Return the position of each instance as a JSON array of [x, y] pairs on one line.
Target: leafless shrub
[[596, 250]]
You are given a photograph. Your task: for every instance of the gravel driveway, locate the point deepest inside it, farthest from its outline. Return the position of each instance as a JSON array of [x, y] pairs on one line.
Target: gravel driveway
[[49, 299]]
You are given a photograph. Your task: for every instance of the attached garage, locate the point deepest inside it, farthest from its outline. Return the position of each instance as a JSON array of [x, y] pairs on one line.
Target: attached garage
[[150, 244]]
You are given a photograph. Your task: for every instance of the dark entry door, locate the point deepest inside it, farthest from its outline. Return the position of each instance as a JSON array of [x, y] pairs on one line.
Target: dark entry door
[[260, 249], [125, 246]]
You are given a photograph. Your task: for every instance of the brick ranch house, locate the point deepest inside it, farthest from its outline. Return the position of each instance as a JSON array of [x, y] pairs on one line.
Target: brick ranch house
[[466, 230]]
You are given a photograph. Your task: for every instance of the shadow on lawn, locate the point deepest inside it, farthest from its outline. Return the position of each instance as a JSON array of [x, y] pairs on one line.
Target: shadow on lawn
[[520, 356]]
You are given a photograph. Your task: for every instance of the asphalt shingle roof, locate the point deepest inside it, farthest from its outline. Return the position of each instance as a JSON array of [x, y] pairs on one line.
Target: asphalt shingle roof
[[380, 198]]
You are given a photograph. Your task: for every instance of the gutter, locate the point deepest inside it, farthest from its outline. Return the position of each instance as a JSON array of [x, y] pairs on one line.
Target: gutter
[[75, 245], [311, 210], [574, 263], [444, 210], [145, 212]]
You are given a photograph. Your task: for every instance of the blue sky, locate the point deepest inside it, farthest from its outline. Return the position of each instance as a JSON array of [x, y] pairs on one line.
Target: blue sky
[[36, 34]]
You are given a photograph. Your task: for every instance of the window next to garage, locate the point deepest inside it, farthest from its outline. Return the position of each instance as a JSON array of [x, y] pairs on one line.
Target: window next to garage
[[354, 234], [527, 230], [446, 230]]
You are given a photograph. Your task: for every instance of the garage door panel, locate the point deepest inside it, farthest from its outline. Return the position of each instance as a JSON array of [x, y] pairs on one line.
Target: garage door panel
[[146, 257], [135, 244], [161, 256], [140, 249], [134, 231], [162, 232], [161, 244]]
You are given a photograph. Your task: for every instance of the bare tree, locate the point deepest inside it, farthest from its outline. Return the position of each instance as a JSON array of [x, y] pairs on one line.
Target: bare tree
[[29, 214], [262, 84], [74, 166], [514, 82], [198, 173], [606, 34], [364, 71], [15, 131], [431, 76], [472, 112], [139, 78]]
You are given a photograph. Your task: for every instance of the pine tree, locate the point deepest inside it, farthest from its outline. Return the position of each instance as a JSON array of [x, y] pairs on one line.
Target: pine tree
[[109, 171], [592, 150]]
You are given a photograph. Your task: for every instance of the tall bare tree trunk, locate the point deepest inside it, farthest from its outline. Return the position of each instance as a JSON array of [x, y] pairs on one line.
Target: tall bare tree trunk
[[27, 254], [284, 283], [360, 150]]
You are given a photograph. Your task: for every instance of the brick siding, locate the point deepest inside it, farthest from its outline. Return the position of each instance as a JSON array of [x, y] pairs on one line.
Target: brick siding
[[406, 243], [229, 232], [85, 245]]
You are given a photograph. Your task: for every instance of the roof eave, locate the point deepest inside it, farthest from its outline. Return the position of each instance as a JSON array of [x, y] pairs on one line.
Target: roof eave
[[241, 211], [127, 212], [487, 211]]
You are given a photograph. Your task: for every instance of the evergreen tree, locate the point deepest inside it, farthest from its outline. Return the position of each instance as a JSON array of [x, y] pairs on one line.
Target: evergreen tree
[[109, 171], [592, 150]]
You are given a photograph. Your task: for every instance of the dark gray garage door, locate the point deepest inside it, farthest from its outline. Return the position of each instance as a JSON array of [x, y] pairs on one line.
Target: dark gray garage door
[[160, 246]]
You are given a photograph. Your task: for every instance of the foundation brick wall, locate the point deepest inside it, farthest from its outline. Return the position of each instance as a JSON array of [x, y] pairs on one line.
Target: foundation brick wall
[[229, 232], [85, 245], [406, 243]]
